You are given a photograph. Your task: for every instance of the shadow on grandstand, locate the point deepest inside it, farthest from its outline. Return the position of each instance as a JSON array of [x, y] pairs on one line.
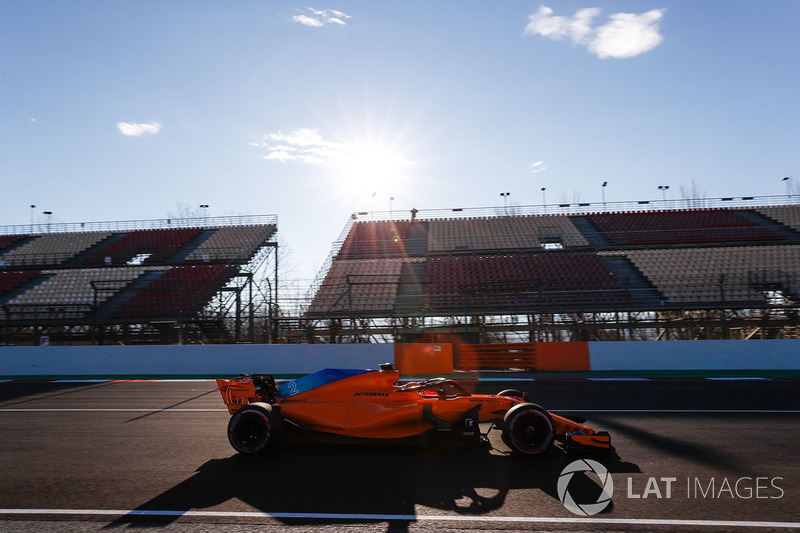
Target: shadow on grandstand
[[312, 483], [29, 391]]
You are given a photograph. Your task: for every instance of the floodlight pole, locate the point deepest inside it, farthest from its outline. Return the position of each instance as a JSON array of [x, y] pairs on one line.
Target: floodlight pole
[[505, 196], [663, 189], [603, 189], [274, 317]]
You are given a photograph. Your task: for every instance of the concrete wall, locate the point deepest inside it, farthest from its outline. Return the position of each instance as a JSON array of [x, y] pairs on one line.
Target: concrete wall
[[194, 360], [774, 354], [232, 360]]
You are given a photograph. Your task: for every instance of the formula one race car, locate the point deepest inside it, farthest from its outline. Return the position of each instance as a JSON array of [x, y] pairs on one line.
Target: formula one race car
[[375, 405]]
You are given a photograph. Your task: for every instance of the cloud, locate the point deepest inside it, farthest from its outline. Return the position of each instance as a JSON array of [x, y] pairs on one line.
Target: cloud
[[133, 129], [537, 167], [628, 35], [304, 145], [308, 146], [557, 27], [624, 35], [317, 18]]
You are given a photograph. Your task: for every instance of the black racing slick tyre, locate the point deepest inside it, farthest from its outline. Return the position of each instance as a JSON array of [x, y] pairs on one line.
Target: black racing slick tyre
[[254, 429], [512, 393], [528, 429]]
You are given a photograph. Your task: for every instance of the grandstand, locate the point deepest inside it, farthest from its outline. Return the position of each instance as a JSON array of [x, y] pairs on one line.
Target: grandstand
[[691, 269], [171, 280], [650, 270]]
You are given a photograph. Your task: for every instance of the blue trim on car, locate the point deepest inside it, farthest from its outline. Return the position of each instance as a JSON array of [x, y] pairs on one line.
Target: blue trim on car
[[317, 379]]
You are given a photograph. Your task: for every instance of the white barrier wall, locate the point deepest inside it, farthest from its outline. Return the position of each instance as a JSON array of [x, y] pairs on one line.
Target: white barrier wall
[[202, 360], [770, 354]]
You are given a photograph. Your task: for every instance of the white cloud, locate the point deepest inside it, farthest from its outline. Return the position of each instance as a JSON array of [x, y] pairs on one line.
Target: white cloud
[[537, 167], [316, 18], [133, 129], [624, 35], [628, 35], [354, 165], [304, 145], [308, 21], [557, 27]]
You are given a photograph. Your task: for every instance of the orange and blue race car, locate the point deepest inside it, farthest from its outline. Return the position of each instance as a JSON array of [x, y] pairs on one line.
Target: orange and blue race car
[[376, 405]]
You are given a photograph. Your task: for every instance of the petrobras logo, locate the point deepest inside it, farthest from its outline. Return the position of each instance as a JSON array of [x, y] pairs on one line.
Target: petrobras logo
[[585, 509]]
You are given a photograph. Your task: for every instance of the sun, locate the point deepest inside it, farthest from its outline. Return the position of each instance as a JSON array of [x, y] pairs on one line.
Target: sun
[[372, 168]]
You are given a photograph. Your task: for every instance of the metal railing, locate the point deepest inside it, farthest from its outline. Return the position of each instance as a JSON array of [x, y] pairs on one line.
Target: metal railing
[[584, 208], [133, 225]]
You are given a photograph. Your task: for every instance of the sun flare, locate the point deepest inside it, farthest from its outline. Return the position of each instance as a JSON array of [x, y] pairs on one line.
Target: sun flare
[[371, 168], [360, 169]]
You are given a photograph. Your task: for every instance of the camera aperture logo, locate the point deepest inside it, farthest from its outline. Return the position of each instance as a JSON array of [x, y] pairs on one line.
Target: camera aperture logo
[[585, 509]]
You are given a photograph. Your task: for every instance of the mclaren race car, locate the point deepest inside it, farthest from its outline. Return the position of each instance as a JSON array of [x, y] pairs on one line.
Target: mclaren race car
[[376, 405]]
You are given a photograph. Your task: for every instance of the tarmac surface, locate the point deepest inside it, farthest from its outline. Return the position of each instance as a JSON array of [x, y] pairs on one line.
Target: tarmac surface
[[690, 455]]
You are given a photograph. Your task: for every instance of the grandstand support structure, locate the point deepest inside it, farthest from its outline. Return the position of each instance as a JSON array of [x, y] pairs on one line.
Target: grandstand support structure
[[163, 281], [724, 268]]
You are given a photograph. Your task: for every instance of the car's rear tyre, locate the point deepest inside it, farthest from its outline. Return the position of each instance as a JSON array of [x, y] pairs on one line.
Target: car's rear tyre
[[254, 429], [528, 429]]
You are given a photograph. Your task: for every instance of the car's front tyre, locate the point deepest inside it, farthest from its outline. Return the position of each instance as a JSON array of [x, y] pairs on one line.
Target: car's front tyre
[[528, 429]]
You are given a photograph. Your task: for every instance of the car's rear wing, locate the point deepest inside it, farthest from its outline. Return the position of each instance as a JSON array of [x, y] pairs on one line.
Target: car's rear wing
[[238, 392]]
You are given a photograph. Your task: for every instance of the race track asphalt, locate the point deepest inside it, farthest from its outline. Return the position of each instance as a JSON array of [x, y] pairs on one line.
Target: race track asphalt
[[691, 455]]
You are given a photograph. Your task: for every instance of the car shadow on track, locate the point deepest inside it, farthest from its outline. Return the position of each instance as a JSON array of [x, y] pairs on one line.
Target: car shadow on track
[[348, 479], [676, 447]]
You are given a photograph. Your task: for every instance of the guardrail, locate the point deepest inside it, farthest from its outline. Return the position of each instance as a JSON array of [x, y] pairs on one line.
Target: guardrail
[[582, 208], [132, 225]]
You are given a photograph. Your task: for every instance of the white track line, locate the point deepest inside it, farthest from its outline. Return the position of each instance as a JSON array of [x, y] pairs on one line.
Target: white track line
[[511, 379], [739, 379], [619, 379], [406, 518], [100, 410], [678, 411], [555, 410], [81, 380]]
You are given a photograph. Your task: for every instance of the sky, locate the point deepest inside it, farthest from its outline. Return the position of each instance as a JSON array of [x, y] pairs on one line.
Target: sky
[[123, 110]]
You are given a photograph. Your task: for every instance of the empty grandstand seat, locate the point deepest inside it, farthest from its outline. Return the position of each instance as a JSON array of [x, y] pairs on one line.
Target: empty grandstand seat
[[87, 286], [358, 285], [513, 281], [713, 275], [51, 249], [9, 240], [502, 233], [370, 239], [232, 243], [11, 279], [160, 244], [788, 215], [680, 227], [180, 292]]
